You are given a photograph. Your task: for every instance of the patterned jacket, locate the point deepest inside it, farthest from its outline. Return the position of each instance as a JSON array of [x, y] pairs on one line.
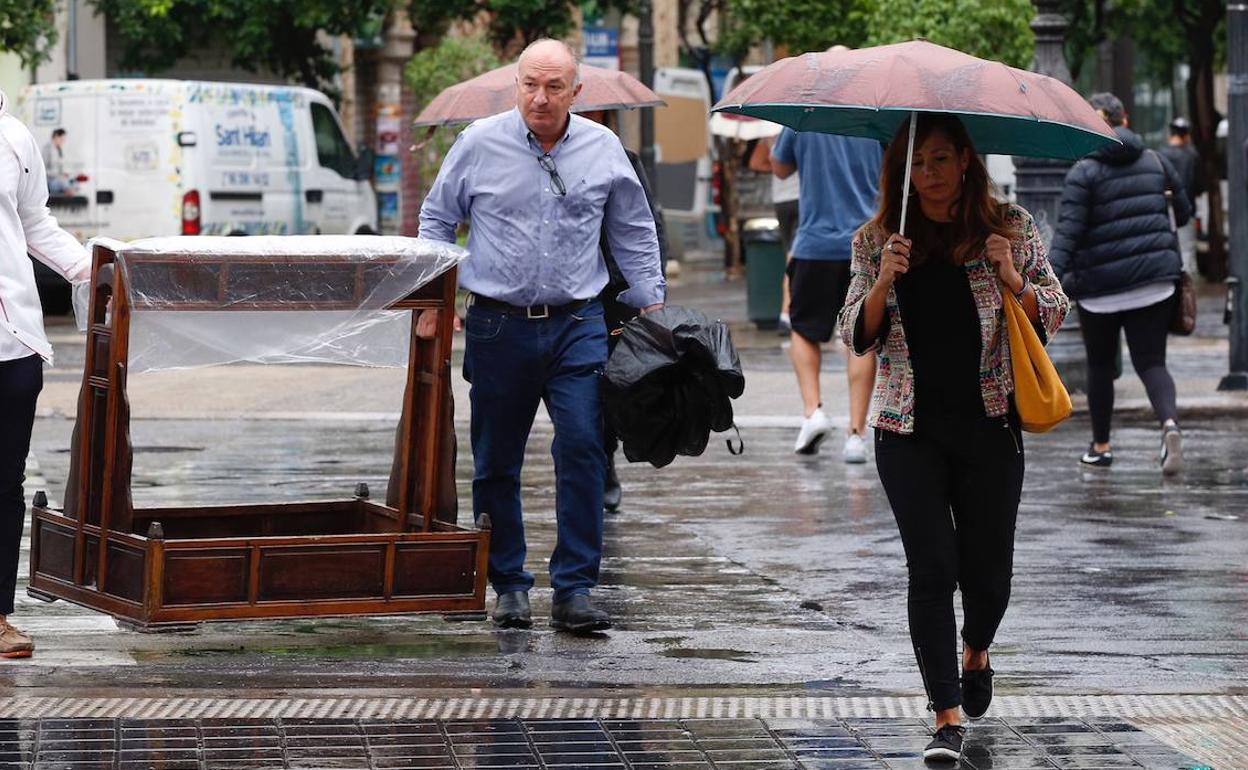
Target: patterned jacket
[[892, 406]]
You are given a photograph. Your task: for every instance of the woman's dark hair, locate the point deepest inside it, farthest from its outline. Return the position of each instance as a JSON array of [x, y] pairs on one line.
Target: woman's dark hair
[[977, 213]]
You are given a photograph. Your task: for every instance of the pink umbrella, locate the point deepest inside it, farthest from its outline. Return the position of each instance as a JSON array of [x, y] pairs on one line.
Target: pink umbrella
[[495, 92], [871, 91]]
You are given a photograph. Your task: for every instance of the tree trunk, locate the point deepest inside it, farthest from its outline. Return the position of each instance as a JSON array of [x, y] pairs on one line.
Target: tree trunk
[[1204, 136]]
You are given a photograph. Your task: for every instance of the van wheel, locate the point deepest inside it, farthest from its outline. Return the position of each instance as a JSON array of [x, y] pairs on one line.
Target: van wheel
[[365, 231], [234, 233]]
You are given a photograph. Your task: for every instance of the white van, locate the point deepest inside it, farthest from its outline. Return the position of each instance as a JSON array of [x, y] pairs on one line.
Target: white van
[[683, 162], [140, 158]]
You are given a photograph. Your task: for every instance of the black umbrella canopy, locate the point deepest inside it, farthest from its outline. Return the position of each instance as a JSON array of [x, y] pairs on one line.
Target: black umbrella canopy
[[670, 382]]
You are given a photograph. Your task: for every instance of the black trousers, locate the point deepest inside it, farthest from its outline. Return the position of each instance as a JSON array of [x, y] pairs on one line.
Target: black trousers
[[615, 314], [954, 486], [20, 383], [1147, 331]]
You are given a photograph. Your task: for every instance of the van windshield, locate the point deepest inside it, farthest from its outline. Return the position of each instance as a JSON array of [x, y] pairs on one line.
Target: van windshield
[[332, 149]]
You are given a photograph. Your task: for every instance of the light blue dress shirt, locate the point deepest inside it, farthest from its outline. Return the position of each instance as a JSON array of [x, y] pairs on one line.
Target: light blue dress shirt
[[527, 244]]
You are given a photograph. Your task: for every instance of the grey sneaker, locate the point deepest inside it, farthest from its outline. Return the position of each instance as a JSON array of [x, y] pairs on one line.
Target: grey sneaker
[[14, 643], [946, 744], [1171, 449]]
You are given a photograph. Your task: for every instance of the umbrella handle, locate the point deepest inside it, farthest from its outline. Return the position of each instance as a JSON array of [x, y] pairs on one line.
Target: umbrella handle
[[905, 189], [740, 447]]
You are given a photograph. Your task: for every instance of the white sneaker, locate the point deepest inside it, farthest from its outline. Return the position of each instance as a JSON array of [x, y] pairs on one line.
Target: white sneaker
[[815, 429], [1171, 449], [855, 449]]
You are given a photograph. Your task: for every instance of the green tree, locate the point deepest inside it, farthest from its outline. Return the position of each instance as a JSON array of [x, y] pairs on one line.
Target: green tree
[[451, 61], [278, 36], [1191, 31], [512, 24], [1168, 32], [797, 25], [992, 29], [28, 29]]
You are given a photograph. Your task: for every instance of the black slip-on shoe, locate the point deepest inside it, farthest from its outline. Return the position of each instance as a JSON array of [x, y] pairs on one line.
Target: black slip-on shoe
[[578, 615], [946, 744], [976, 691], [1099, 459], [512, 610]]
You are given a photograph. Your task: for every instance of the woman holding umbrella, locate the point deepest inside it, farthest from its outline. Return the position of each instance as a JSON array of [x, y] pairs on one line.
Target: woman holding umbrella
[[931, 300], [947, 443]]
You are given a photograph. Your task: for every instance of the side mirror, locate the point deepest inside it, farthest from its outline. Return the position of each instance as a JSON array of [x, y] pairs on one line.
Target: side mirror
[[364, 163]]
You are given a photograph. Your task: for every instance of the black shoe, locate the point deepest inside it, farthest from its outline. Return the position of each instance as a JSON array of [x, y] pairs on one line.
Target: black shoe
[[577, 615], [976, 691], [1099, 459], [512, 610], [611, 492], [946, 744]]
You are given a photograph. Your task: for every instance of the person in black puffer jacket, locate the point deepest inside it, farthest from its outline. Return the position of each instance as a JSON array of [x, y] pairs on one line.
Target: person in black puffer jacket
[[1117, 255]]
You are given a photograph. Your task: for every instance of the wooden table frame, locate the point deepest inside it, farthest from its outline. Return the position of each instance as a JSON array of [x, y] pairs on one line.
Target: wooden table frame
[[160, 566]]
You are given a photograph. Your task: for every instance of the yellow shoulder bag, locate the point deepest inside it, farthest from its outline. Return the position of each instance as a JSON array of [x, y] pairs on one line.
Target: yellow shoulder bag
[[1039, 395]]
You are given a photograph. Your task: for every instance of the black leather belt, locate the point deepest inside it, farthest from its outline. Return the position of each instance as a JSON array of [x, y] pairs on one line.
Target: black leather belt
[[532, 311]]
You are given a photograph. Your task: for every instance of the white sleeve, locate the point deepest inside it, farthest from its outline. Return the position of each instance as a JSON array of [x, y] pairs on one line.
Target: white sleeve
[[45, 240]]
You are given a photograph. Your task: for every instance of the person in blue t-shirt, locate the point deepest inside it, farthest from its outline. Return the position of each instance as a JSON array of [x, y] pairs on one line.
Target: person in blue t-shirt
[[840, 179]]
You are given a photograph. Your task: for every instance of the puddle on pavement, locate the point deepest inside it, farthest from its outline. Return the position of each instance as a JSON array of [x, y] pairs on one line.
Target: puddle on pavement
[[440, 648], [737, 656]]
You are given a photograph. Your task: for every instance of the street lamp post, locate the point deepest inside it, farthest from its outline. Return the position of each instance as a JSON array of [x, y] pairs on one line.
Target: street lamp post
[[645, 50], [1237, 205], [1038, 183]]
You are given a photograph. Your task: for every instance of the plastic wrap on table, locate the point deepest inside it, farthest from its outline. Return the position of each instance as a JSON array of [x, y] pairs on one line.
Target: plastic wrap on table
[[201, 301]]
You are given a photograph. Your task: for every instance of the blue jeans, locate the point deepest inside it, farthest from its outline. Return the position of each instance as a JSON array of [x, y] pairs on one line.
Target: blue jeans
[[513, 363]]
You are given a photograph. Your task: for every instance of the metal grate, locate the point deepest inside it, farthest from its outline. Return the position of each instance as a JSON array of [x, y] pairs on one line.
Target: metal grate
[[628, 744]]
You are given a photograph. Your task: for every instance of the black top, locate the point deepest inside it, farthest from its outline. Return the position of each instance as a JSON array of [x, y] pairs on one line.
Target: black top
[[1186, 162], [941, 324]]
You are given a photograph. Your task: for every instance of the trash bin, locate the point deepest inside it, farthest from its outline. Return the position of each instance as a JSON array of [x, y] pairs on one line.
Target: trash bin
[[764, 270]]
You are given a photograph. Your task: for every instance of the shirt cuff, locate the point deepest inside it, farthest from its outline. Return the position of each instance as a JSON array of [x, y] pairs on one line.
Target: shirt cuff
[[647, 294]]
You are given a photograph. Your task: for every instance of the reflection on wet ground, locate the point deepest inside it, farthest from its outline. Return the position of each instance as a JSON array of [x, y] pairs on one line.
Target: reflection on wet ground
[[689, 744], [761, 572]]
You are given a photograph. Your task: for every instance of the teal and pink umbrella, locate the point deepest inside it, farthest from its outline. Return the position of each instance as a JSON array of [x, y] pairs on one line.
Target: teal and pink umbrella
[[870, 92], [495, 92]]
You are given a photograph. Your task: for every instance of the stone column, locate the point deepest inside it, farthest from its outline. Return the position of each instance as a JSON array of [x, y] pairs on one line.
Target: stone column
[[1038, 184]]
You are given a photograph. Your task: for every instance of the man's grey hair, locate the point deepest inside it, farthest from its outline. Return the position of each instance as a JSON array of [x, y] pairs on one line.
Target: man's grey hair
[[572, 54], [1110, 107]]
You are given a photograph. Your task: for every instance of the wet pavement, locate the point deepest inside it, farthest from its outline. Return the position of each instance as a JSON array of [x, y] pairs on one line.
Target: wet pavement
[[685, 744], [742, 581], [760, 572]]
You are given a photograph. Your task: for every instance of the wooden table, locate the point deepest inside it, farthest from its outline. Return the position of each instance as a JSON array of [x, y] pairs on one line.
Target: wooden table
[[157, 567]]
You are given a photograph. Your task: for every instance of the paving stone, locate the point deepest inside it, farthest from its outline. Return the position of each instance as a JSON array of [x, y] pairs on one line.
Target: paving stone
[[842, 764], [729, 744]]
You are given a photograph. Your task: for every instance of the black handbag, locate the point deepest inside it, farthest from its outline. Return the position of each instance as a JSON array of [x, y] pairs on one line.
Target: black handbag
[[1183, 318]]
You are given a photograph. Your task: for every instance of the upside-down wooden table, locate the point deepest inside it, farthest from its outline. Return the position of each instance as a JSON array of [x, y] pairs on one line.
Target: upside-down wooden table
[[154, 567]]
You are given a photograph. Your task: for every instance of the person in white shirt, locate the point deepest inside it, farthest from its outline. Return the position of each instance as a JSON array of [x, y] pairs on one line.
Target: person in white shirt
[[26, 227]]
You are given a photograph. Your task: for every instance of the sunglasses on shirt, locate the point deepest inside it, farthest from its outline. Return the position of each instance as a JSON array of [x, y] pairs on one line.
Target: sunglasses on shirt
[[548, 165]]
